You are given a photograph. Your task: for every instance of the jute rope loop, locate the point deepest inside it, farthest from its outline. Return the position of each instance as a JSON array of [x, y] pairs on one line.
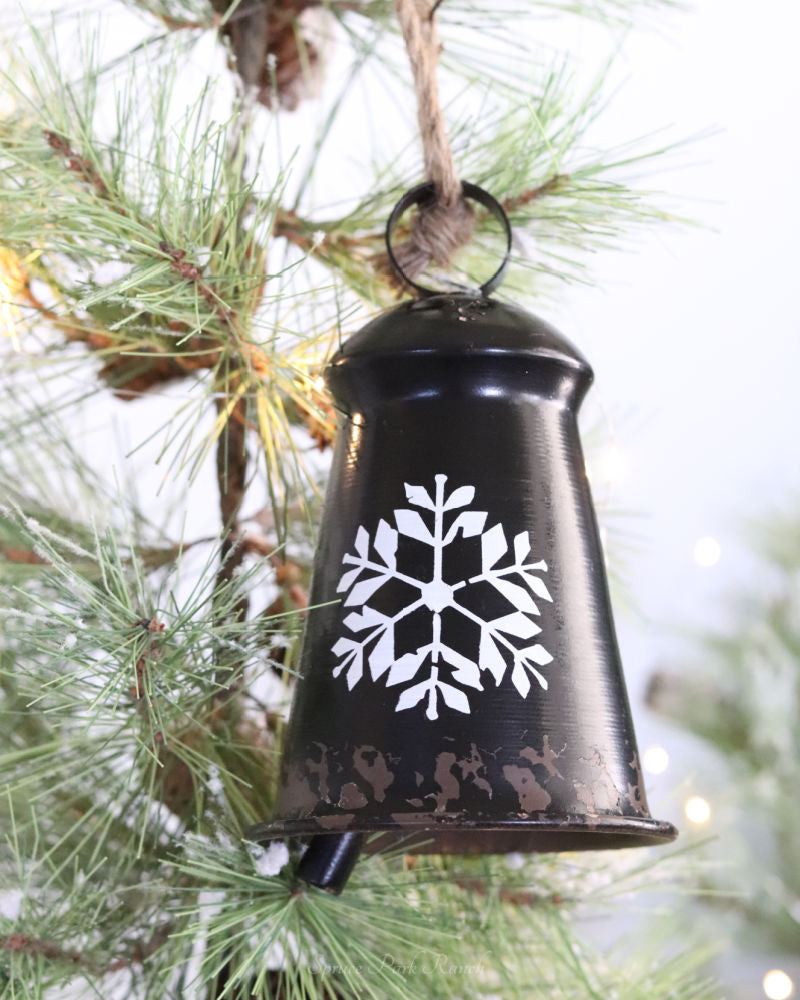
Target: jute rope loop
[[446, 224], [424, 194]]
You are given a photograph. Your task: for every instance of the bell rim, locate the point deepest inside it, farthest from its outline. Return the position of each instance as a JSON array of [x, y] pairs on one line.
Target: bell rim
[[644, 831]]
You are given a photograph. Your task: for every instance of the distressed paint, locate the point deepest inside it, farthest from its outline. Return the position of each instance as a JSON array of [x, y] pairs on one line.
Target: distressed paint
[[446, 781], [547, 757], [532, 797], [371, 765], [352, 797], [474, 768]]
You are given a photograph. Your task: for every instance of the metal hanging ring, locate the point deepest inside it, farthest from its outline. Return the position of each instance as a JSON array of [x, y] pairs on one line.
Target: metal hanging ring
[[425, 194]]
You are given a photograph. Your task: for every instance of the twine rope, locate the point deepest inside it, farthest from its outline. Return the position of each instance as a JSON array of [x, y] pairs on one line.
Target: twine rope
[[442, 227]]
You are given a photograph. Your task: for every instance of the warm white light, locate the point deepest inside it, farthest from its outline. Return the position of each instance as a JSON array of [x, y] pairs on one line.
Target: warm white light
[[610, 467], [655, 760], [707, 551], [8, 315], [12, 281], [697, 810], [777, 985]]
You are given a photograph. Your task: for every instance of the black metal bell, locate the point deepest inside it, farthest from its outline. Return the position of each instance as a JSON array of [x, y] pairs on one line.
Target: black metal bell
[[461, 689]]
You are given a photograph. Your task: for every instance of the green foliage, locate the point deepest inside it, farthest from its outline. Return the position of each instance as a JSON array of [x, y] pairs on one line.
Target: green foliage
[[148, 231], [438, 927], [744, 704]]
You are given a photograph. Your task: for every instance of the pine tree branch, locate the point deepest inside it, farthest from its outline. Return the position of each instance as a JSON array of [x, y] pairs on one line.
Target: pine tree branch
[[232, 483], [117, 370], [514, 202], [136, 954], [142, 948], [131, 375], [194, 274], [80, 166], [24, 556], [514, 897], [50, 950]]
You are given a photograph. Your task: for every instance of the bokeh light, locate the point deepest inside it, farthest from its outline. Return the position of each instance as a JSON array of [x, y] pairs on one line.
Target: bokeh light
[[777, 985], [655, 760], [707, 552], [697, 810]]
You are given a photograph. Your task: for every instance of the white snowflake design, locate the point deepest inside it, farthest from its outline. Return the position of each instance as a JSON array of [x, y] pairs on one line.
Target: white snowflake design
[[496, 653]]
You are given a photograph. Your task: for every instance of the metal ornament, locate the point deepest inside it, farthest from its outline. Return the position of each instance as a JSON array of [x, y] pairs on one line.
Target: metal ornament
[[461, 689]]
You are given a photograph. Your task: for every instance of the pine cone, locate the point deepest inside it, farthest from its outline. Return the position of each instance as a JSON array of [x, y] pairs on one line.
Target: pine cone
[[270, 51]]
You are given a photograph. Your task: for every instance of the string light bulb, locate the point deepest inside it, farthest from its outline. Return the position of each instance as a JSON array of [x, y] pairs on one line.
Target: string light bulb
[[655, 760], [613, 465], [608, 468], [12, 281], [697, 810], [707, 552], [777, 985]]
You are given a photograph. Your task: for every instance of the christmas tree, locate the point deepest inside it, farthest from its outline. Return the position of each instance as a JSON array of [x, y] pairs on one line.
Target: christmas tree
[[736, 693], [191, 216]]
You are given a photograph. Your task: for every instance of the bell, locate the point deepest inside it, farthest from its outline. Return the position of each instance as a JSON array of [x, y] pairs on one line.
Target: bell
[[461, 690]]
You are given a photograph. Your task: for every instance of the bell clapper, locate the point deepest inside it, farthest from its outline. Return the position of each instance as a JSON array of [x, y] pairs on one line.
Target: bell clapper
[[329, 859]]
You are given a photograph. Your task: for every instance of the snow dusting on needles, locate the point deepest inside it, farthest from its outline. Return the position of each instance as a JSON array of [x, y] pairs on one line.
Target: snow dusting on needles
[[268, 861]]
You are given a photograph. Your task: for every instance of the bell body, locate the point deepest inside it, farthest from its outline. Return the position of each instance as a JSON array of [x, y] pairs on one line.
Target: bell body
[[461, 688]]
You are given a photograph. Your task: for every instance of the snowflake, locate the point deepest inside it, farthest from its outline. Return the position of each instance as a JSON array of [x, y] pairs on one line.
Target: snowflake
[[375, 646]]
